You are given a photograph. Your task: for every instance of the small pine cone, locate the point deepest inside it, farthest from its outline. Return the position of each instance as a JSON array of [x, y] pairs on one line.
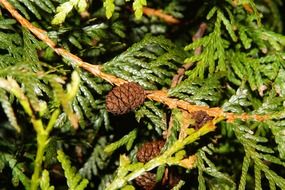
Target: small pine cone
[[146, 181], [125, 98], [149, 150], [200, 117]]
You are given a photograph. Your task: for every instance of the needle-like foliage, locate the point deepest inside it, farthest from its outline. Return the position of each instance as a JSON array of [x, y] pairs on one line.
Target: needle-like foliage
[[213, 74]]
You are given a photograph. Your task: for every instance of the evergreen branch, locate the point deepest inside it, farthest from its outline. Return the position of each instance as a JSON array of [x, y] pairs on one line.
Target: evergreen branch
[[256, 152], [126, 140], [7, 107], [152, 115], [212, 170], [64, 9], [97, 161], [74, 180], [42, 136], [181, 71], [138, 8], [17, 170], [13, 87], [159, 96], [45, 181], [166, 157], [109, 5], [160, 14]]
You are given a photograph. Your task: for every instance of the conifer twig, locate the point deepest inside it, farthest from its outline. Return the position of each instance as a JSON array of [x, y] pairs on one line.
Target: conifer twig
[[181, 71], [162, 97], [154, 12], [159, 96], [42, 35]]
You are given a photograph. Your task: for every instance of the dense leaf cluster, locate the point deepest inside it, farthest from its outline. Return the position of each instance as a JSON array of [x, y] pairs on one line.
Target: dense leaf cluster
[[55, 132]]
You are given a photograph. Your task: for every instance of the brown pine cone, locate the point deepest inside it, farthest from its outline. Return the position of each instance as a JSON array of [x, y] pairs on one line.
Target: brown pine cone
[[146, 181], [200, 117], [149, 150], [125, 98]]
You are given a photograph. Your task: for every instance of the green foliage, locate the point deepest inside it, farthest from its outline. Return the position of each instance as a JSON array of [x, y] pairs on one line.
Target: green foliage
[[84, 103], [45, 181], [152, 115], [150, 62], [200, 92], [49, 104], [63, 9], [277, 129], [173, 155], [220, 181], [109, 5], [97, 161], [74, 180], [26, 6], [126, 140], [138, 6], [257, 152], [17, 170]]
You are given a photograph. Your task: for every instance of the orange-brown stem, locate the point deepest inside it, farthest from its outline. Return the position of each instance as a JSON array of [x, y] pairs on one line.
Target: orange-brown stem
[[160, 14]]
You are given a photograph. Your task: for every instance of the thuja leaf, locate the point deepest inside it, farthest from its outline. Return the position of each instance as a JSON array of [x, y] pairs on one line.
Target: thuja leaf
[[126, 140], [151, 62], [245, 166], [8, 109], [255, 152], [213, 171], [65, 8], [138, 7], [212, 58], [239, 101], [279, 136], [97, 161], [74, 179], [45, 181], [153, 115], [202, 92], [110, 7], [17, 170], [65, 97], [279, 83]]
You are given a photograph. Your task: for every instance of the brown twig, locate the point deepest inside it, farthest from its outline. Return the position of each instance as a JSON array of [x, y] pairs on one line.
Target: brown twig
[[181, 71], [162, 97], [154, 12], [159, 96]]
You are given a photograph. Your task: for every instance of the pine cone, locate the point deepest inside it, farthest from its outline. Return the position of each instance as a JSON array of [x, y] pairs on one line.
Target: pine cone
[[146, 181], [149, 150], [200, 117], [125, 98]]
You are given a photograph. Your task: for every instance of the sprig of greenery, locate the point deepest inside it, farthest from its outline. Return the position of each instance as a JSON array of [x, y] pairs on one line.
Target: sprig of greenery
[[45, 181], [127, 140], [17, 170], [173, 155], [109, 5], [257, 153], [65, 8], [74, 180], [145, 61], [25, 6], [240, 70]]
